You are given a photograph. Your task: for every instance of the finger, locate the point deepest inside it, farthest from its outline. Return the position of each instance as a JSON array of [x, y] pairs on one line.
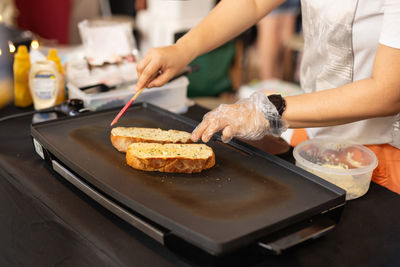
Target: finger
[[148, 73], [227, 134], [142, 64], [161, 79], [213, 127], [198, 132], [207, 134]]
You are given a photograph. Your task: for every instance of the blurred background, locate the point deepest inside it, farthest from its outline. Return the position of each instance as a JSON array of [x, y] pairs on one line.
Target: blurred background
[[265, 57]]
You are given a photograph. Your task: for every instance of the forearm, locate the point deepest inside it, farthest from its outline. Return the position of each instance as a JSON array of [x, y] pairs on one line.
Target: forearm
[[227, 20], [356, 101], [377, 96]]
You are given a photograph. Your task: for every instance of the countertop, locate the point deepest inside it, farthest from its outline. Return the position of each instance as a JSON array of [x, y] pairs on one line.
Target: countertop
[[45, 221]]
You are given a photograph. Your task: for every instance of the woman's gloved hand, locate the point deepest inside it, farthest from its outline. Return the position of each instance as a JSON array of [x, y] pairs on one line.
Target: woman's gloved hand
[[251, 118]]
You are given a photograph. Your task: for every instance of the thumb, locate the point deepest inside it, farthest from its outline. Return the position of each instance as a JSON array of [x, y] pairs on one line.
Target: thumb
[[227, 134]]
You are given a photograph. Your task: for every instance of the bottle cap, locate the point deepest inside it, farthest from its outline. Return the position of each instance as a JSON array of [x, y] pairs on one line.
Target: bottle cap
[[53, 56], [22, 52]]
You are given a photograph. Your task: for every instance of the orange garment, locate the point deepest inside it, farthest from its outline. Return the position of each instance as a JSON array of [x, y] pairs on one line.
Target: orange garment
[[298, 136], [387, 173]]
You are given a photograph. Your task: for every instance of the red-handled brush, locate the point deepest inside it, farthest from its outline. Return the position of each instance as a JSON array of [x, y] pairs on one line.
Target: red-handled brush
[[133, 99], [127, 105], [187, 70]]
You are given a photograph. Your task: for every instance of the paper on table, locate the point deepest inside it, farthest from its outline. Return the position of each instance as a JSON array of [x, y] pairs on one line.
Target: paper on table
[[106, 41]]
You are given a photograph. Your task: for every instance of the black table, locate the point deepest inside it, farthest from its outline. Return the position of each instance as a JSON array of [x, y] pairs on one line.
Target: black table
[[45, 221]]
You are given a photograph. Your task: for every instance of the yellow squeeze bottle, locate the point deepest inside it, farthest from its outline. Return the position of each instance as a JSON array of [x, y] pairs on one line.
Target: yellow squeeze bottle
[[21, 67], [61, 87]]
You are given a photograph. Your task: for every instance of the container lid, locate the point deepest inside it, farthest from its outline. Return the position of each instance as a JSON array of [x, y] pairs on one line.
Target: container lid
[[335, 157]]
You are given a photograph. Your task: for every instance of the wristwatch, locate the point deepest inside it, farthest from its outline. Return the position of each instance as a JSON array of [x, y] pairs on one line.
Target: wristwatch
[[277, 126], [279, 102]]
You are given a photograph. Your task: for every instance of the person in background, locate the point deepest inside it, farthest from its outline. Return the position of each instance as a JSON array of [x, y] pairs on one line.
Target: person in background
[[350, 71], [8, 12], [214, 74], [273, 32], [140, 5]]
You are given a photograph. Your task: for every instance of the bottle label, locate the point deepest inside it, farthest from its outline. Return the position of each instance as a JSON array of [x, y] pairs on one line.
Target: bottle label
[[44, 85]]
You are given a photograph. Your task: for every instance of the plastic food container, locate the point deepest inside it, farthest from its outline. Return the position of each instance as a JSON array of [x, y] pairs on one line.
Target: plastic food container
[[344, 164], [171, 96]]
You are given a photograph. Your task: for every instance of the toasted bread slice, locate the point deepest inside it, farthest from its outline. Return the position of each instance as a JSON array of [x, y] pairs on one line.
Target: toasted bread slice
[[122, 137], [185, 158]]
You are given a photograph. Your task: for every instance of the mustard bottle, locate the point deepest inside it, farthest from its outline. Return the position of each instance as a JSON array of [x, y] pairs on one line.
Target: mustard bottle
[[22, 64], [61, 87]]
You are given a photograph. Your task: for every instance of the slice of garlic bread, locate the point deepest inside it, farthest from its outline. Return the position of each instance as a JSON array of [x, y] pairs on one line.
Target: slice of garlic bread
[[184, 158], [122, 137]]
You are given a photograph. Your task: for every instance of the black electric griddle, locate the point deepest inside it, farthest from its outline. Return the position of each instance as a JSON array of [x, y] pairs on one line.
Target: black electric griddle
[[248, 197]]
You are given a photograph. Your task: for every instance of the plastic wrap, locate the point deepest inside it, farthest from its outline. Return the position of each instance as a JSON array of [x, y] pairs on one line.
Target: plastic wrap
[[250, 118]]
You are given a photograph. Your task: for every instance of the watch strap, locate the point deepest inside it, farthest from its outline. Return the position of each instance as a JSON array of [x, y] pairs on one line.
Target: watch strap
[[279, 102]]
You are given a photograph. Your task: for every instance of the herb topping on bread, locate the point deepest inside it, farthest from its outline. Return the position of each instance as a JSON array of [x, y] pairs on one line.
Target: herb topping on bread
[[122, 137], [184, 158]]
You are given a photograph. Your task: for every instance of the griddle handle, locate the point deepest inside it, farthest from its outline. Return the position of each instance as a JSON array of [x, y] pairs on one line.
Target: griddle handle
[[136, 222], [316, 228]]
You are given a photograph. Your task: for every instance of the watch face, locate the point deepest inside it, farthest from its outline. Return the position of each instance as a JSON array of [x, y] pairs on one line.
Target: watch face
[[278, 102]]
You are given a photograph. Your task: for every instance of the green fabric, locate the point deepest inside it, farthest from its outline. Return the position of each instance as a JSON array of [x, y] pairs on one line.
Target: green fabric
[[212, 78]]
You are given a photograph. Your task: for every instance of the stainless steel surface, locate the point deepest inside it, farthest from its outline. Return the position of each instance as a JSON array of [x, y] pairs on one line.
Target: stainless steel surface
[[109, 205]]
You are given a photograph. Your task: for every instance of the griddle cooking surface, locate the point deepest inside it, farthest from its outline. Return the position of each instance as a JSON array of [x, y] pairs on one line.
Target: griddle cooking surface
[[238, 200]]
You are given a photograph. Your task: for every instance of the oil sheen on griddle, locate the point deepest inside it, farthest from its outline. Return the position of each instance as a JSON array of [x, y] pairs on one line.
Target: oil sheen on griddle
[[233, 188]]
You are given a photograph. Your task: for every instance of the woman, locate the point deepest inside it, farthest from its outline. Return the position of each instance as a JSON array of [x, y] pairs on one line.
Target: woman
[[350, 71]]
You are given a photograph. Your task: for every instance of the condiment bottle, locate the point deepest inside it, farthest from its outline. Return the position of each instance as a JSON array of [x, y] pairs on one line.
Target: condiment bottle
[[56, 59], [44, 81], [21, 66]]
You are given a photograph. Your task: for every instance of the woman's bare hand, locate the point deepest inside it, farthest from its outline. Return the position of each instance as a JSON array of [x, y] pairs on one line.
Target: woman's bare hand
[[160, 65]]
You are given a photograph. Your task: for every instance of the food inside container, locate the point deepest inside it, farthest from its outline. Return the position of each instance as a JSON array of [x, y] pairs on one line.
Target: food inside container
[[344, 164]]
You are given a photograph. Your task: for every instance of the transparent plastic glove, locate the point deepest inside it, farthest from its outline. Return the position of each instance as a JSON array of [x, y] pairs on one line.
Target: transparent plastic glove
[[251, 118]]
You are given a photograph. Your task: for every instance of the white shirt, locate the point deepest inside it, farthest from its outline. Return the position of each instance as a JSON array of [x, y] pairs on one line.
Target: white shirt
[[341, 38]]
